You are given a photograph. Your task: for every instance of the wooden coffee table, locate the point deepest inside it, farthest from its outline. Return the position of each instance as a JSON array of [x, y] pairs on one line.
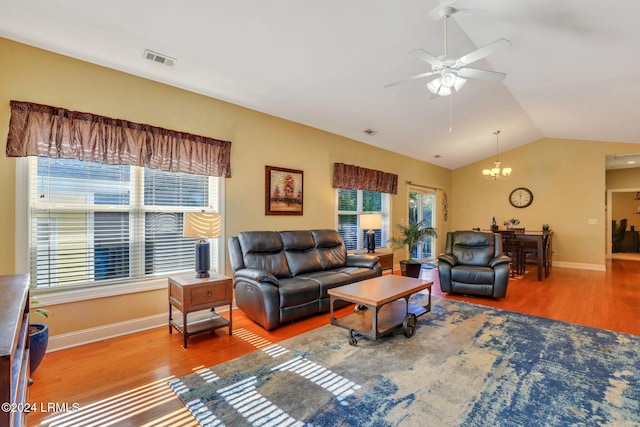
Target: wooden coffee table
[[382, 306]]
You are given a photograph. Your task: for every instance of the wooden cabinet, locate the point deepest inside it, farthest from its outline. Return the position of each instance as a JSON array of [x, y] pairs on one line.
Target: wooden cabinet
[[190, 294], [14, 349]]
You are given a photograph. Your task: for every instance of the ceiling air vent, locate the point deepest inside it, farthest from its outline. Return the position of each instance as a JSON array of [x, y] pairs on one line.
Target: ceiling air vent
[[159, 58]]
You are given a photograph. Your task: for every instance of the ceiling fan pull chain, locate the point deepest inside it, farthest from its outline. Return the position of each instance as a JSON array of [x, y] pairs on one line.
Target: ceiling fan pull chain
[[451, 114]]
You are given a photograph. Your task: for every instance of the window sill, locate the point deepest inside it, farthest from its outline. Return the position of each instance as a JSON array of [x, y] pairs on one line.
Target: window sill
[[75, 295]]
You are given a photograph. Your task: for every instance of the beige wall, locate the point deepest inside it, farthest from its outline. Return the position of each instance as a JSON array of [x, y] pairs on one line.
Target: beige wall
[[568, 182], [30, 74]]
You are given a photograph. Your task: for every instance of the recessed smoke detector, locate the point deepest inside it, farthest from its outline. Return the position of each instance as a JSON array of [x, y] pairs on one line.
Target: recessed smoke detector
[[370, 132], [159, 58]]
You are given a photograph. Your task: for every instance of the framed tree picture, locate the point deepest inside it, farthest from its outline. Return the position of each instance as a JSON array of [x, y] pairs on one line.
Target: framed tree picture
[[283, 191]]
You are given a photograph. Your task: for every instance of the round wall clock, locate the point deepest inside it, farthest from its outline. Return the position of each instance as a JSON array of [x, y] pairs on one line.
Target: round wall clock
[[521, 197]]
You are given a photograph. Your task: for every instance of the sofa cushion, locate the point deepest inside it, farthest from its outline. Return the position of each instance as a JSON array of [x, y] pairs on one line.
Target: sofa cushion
[[358, 273], [263, 250], [297, 291], [331, 249], [328, 279], [473, 248], [300, 251]]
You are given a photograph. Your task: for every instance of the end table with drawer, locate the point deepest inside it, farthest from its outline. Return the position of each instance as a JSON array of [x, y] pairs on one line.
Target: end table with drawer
[[385, 255], [190, 294]]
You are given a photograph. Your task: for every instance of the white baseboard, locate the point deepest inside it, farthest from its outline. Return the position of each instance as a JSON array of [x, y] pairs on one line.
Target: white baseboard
[[86, 336], [580, 266]]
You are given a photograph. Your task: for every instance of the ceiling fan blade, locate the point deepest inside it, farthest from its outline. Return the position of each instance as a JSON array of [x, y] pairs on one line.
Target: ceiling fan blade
[[427, 57], [482, 52], [418, 76], [474, 73]]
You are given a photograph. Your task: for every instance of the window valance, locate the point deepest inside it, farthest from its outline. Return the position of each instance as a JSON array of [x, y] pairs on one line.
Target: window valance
[[45, 131], [358, 178]]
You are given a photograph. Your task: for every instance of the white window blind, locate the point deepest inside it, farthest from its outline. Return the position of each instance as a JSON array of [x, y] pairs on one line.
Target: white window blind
[[354, 203], [96, 224]]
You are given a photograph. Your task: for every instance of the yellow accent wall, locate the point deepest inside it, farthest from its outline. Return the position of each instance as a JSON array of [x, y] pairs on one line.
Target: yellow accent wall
[[35, 75], [568, 181]]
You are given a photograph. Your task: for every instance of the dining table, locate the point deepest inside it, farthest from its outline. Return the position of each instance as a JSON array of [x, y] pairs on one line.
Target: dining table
[[541, 240]]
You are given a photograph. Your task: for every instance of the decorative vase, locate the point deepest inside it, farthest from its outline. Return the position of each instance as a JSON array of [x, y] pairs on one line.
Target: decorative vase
[[38, 342]]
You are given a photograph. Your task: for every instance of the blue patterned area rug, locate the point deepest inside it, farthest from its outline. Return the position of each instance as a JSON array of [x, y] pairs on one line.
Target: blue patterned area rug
[[466, 365]]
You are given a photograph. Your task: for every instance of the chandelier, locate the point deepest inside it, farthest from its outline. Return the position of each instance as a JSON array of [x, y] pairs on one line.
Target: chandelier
[[496, 172]]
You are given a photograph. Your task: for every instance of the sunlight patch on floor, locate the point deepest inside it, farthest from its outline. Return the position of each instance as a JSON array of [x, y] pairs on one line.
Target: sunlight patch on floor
[[123, 406]]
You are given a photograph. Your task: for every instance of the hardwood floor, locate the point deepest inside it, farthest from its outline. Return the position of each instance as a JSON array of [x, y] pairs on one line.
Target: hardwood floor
[[122, 381]]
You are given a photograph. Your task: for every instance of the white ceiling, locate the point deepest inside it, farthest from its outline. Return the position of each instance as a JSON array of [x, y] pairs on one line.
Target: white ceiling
[[572, 68]]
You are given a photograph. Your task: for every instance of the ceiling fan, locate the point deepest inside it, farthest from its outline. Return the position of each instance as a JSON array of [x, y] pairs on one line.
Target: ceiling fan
[[453, 73]]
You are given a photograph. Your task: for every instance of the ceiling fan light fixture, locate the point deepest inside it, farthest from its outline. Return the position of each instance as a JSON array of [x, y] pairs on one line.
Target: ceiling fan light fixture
[[434, 85], [446, 84], [448, 79], [459, 83]]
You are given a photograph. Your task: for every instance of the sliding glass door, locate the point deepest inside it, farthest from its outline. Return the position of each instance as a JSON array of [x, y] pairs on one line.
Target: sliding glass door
[[422, 208]]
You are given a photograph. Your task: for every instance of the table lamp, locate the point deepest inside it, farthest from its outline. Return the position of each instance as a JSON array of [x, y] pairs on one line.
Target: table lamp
[[204, 226], [371, 222]]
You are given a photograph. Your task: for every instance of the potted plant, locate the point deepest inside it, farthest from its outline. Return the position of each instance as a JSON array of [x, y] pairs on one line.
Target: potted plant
[[408, 238], [38, 337]]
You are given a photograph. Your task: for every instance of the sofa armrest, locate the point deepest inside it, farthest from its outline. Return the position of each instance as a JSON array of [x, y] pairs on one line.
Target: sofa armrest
[[362, 261], [502, 259], [448, 258], [257, 298], [258, 276]]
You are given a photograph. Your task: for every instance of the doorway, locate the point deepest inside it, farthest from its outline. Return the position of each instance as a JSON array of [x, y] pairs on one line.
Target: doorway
[[623, 203], [421, 208]]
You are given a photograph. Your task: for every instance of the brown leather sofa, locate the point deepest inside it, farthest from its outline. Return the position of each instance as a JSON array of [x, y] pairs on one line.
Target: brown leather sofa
[[474, 264], [281, 276]]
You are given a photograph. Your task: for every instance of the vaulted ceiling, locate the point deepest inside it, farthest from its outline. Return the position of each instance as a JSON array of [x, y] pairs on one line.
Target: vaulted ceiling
[[572, 67]]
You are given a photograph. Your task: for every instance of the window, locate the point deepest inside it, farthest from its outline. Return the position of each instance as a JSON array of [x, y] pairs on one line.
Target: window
[[96, 224], [352, 204], [421, 208]]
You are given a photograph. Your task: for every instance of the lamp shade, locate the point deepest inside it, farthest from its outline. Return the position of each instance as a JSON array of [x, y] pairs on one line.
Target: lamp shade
[[203, 225], [370, 222]]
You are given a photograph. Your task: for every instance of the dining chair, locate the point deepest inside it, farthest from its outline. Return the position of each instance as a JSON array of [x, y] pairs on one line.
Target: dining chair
[[513, 247]]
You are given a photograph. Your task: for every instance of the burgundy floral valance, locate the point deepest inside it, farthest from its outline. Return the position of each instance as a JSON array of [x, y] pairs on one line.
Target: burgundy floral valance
[[357, 178], [45, 131]]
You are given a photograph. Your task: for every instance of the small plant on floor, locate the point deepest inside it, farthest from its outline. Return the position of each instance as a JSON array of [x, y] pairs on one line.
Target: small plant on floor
[[410, 236]]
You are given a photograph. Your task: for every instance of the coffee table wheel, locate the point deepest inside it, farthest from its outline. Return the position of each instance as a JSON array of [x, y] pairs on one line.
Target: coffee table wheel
[[352, 340], [409, 325], [359, 307]]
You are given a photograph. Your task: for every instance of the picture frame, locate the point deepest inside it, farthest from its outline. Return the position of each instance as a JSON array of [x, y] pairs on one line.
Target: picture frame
[[283, 191]]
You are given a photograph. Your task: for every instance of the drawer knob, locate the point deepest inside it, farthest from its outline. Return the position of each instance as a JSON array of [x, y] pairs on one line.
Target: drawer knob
[[209, 293]]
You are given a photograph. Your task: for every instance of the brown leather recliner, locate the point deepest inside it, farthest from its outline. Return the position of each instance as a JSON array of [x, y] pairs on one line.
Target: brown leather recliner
[[473, 263]]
